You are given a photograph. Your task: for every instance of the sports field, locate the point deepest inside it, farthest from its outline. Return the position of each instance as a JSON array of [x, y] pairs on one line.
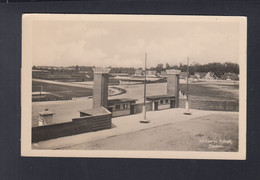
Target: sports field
[[202, 90], [212, 95], [212, 90], [58, 91], [203, 96]]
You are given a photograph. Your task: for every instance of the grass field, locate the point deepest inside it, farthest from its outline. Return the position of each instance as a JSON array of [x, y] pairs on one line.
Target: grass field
[[211, 91], [218, 95], [59, 91]]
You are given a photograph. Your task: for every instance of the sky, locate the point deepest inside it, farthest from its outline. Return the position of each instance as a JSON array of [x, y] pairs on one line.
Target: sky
[[124, 44]]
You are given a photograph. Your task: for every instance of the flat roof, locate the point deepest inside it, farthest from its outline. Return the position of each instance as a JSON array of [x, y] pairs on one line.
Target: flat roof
[[156, 97], [112, 102], [95, 111], [46, 112]]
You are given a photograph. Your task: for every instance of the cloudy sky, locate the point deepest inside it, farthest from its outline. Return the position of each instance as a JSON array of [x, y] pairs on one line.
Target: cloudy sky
[[124, 44]]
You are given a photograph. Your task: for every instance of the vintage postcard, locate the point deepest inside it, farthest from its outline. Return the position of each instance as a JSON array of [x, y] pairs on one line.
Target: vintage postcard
[[133, 86]]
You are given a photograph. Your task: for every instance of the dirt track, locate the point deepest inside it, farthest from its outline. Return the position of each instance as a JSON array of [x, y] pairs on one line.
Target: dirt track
[[64, 83]]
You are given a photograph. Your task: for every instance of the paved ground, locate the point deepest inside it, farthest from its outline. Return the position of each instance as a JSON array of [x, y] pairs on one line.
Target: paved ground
[[216, 132], [167, 130]]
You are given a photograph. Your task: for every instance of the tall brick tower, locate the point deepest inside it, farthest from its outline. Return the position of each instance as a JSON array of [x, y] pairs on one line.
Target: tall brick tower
[[100, 91], [173, 84]]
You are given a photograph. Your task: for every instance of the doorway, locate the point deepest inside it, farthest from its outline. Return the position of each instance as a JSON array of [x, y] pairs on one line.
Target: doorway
[[155, 106], [172, 103], [132, 109], [110, 109]]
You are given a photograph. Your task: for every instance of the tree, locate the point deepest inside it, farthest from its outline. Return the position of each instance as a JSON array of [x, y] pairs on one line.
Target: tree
[[159, 68], [218, 68], [77, 68], [167, 66]]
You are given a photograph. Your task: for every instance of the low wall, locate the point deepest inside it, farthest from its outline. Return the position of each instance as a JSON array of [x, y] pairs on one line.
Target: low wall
[[211, 105], [49, 97], [121, 112], [164, 106], [77, 126]]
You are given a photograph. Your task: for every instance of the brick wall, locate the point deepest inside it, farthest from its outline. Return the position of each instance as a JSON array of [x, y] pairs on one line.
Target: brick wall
[[77, 126]]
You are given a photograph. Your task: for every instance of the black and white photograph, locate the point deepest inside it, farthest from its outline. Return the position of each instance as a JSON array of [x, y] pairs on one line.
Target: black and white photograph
[[133, 86]]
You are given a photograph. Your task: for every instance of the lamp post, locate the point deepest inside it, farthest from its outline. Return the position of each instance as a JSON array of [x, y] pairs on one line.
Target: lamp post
[[144, 107]]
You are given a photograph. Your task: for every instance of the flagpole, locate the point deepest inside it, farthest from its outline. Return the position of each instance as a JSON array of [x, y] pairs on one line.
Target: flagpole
[[145, 85], [188, 79], [144, 107], [187, 100]]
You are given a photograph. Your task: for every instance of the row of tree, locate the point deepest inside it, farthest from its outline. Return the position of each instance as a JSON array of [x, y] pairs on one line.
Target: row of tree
[[127, 70], [218, 68]]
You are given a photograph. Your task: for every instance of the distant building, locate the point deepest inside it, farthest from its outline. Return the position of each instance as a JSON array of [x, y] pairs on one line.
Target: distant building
[[138, 72], [230, 76], [193, 78], [119, 74], [70, 68], [163, 74], [200, 75], [210, 75], [183, 75], [151, 72]]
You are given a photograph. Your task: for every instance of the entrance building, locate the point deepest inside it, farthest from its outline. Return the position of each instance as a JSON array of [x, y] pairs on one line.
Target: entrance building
[[121, 107], [162, 102]]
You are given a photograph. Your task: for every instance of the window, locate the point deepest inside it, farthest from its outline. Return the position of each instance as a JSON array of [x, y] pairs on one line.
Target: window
[[118, 106], [166, 101], [125, 106], [161, 101]]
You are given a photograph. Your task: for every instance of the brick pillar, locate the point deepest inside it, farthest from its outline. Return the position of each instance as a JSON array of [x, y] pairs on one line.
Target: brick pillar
[[100, 91], [173, 84]]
